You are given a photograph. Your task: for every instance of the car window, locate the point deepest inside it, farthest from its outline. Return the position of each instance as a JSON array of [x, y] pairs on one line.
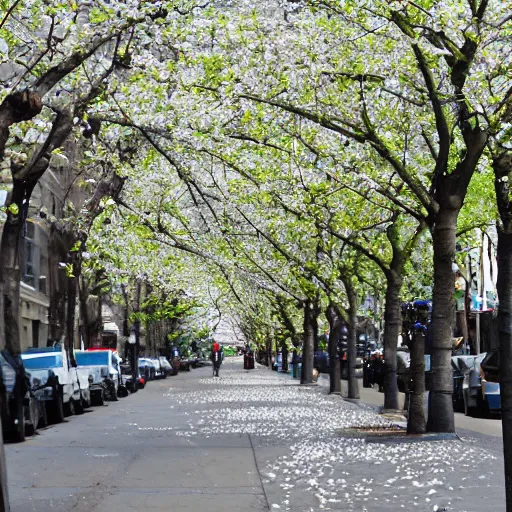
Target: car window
[[465, 363], [492, 359], [43, 362], [480, 358], [8, 374]]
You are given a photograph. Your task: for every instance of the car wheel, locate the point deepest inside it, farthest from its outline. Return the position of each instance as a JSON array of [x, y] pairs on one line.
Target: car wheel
[[69, 408], [79, 407], [458, 405], [98, 399], [113, 393], [43, 415], [30, 430], [19, 427], [482, 406], [56, 412], [468, 411], [33, 413]]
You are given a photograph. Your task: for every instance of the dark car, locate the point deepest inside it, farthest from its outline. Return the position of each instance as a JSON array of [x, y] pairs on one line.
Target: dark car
[[146, 369], [403, 370], [373, 370], [21, 411], [167, 366], [321, 361], [461, 365], [127, 378]]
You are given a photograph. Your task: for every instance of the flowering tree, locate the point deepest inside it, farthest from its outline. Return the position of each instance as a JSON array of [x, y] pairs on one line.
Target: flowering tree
[[405, 80]]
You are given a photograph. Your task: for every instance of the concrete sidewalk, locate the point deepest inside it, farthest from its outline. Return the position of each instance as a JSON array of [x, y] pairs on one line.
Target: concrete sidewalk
[[464, 424], [247, 441]]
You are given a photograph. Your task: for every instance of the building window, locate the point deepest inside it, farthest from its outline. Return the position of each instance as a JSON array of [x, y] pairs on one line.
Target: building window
[[35, 332], [31, 258]]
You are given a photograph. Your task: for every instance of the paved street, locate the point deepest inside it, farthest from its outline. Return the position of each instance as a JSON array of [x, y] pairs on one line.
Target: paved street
[[248, 441]]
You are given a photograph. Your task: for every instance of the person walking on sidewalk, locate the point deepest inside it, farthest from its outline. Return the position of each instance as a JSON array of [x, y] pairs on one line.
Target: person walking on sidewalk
[[216, 358]]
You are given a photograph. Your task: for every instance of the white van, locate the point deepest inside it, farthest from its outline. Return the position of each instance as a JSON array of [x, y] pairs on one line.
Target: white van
[[67, 390]]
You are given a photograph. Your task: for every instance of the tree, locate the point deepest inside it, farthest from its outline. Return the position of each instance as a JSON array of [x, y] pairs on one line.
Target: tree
[[54, 55], [434, 75], [500, 117]]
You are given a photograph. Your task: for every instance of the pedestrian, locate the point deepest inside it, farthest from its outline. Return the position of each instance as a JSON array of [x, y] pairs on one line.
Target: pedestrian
[[176, 358], [248, 358], [217, 356]]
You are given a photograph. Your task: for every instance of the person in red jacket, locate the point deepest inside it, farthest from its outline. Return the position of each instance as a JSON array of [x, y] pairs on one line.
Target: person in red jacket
[[216, 358]]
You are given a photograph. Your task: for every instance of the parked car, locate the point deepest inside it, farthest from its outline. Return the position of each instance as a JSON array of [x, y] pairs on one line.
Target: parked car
[[198, 360], [147, 369], [321, 361], [21, 411], [122, 390], [373, 370], [104, 367], [159, 373], [481, 387], [167, 367], [57, 382], [127, 378], [91, 363], [461, 365], [403, 370], [185, 365]]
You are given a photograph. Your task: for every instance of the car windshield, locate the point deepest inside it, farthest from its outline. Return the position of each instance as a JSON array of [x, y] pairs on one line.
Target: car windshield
[[492, 359], [43, 362], [92, 358], [480, 358]]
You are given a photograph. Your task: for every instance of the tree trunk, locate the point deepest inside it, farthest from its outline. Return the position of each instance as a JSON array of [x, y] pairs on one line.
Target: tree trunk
[[314, 323], [4, 497], [4, 494], [417, 421], [353, 384], [308, 345], [136, 328], [296, 345], [58, 248], [335, 320], [72, 286], [84, 313], [503, 169], [441, 417], [2, 330], [505, 337], [284, 356], [392, 324], [11, 260]]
